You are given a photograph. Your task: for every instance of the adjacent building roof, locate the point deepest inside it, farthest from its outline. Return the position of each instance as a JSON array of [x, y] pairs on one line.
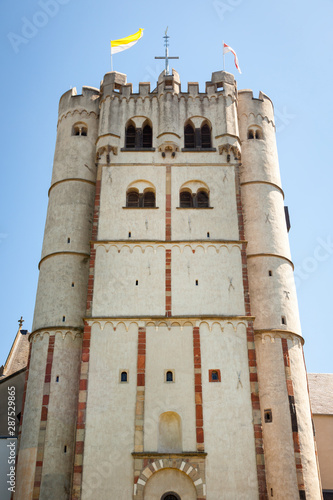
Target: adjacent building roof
[[321, 393]]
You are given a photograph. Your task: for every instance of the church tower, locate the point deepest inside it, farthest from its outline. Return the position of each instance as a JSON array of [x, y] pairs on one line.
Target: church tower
[[166, 357]]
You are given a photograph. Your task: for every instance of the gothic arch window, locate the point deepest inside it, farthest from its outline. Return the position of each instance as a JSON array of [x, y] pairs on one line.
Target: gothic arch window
[[80, 129], [123, 377], [130, 136], [147, 137], [189, 134], [138, 138], [206, 141]]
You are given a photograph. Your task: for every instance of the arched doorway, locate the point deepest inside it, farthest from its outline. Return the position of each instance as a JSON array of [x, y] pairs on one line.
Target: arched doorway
[[170, 484]]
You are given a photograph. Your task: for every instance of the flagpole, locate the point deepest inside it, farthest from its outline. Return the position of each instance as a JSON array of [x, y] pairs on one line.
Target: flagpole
[[223, 55], [111, 60]]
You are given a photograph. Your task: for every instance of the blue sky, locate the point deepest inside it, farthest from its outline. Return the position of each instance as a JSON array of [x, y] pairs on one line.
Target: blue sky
[[284, 49]]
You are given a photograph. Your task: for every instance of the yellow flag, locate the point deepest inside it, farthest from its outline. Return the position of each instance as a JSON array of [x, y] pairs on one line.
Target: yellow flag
[[125, 43]]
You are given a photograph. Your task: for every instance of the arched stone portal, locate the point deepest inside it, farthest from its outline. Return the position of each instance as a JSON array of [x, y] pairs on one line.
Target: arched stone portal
[[170, 481]]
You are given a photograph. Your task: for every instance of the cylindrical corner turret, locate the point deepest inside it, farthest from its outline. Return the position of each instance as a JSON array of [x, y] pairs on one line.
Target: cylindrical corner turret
[[56, 338], [290, 459]]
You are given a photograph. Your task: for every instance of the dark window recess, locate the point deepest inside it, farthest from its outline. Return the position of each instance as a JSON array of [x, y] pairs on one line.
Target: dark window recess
[[205, 137], [250, 134], [283, 320], [147, 137], [258, 134], [137, 282], [286, 214], [196, 282], [272, 492], [302, 495], [129, 234], [133, 199], [270, 273], [73, 285], [215, 376], [293, 416], [208, 235], [68, 240], [202, 199], [169, 377], [57, 378], [170, 497], [185, 199], [189, 137], [130, 137], [149, 199], [65, 449], [268, 416], [328, 494], [123, 377], [64, 318]]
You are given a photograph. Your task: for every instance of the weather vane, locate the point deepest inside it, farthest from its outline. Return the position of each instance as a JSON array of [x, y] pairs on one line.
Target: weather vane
[[166, 57]]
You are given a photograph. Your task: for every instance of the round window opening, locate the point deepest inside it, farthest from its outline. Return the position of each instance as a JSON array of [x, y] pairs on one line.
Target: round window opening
[[170, 496]]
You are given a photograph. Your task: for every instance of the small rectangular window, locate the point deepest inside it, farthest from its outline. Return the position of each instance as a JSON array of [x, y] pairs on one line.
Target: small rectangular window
[[57, 378], [65, 448], [268, 416], [208, 235], [129, 234], [196, 282], [214, 375], [283, 320], [63, 319], [137, 282], [270, 273], [68, 240]]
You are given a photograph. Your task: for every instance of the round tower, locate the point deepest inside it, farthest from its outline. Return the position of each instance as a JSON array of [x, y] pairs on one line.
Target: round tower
[[289, 446], [47, 441]]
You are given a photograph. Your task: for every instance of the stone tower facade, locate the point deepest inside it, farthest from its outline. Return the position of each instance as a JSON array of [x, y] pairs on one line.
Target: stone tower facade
[[166, 358]]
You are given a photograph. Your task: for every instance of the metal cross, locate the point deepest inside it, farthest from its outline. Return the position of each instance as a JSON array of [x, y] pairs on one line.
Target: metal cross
[[166, 57]]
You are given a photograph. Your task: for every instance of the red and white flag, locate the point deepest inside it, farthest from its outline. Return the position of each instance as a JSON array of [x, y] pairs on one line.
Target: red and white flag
[[227, 49]]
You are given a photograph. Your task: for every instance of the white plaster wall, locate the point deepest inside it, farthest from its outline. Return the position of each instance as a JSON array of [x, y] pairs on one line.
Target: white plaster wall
[[214, 294], [227, 413], [115, 290], [115, 221], [69, 215], [55, 295], [60, 430], [278, 441], [265, 223], [109, 435], [273, 296], [303, 411], [31, 420], [169, 349], [221, 220]]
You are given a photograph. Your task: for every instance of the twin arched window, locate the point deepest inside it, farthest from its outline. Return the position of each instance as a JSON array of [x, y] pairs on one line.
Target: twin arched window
[[138, 138], [136, 199], [197, 138], [187, 199], [80, 129], [255, 132]]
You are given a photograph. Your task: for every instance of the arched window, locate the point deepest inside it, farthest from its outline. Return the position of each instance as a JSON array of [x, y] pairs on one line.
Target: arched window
[[130, 136], [80, 129], [123, 377], [205, 136], [258, 134], [185, 199], [255, 132], [147, 137], [149, 199], [169, 376], [202, 199], [250, 134], [189, 137], [133, 199]]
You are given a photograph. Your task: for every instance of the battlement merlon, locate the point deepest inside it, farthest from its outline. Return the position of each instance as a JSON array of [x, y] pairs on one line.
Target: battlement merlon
[[88, 100]]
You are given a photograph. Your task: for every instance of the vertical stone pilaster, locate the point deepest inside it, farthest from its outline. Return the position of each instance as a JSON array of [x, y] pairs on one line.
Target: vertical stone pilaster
[[293, 417], [198, 389], [43, 419], [140, 398], [252, 360]]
